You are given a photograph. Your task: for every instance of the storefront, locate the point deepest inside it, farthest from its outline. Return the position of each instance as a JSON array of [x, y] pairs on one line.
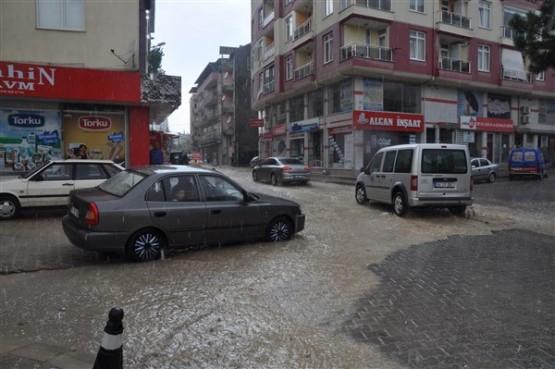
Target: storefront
[[46, 112]]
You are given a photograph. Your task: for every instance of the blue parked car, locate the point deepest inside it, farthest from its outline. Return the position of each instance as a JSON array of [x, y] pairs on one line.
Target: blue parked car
[[526, 161]]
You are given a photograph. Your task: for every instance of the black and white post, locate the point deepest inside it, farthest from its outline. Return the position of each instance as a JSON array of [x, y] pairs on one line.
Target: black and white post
[[110, 354]]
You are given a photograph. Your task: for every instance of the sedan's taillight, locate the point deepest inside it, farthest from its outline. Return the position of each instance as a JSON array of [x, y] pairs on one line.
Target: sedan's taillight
[[91, 217], [307, 168], [286, 168]]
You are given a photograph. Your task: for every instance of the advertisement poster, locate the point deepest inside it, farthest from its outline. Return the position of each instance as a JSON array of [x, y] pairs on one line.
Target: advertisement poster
[[103, 134], [373, 94], [499, 106], [470, 103], [28, 138]]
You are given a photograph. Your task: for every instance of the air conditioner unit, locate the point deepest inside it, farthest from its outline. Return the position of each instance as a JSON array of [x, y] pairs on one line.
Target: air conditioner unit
[[525, 119], [525, 110]]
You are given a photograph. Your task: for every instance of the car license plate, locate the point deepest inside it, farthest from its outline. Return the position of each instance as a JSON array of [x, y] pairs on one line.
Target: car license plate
[[444, 184], [74, 211]]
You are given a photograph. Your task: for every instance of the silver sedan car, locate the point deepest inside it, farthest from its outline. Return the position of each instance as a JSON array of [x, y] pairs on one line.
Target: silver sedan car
[[484, 170], [141, 212], [277, 170]]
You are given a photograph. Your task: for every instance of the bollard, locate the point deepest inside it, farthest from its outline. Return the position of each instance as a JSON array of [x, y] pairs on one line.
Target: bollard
[[110, 354]]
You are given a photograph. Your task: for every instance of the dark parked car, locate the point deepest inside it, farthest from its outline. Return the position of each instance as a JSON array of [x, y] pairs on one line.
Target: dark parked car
[[254, 162], [484, 170], [142, 211], [278, 170]]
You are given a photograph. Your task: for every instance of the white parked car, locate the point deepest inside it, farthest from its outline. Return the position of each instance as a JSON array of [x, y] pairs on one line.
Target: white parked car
[[50, 184]]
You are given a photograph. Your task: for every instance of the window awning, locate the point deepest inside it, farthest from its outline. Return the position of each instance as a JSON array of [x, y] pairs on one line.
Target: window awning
[[513, 65]]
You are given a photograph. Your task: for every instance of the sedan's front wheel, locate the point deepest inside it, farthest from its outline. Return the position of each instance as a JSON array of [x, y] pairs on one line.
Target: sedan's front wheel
[[146, 245], [9, 208], [279, 229], [254, 176]]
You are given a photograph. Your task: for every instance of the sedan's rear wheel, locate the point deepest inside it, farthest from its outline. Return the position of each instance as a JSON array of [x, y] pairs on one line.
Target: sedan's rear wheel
[[279, 229], [9, 207], [254, 176], [274, 180], [146, 245]]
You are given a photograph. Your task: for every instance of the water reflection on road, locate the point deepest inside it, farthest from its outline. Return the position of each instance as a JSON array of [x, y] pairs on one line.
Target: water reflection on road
[[249, 305]]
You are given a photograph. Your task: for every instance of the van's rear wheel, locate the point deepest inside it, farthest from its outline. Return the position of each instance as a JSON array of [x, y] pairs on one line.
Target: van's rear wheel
[[399, 204]]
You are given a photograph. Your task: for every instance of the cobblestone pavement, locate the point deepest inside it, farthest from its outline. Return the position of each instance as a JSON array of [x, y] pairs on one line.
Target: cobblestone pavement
[[458, 304]]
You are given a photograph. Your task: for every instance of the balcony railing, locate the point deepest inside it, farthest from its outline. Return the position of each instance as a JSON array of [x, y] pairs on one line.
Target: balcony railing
[[509, 32], [268, 18], [366, 51], [375, 4], [268, 52], [269, 86], [302, 30], [516, 75], [455, 65], [303, 71], [454, 19]]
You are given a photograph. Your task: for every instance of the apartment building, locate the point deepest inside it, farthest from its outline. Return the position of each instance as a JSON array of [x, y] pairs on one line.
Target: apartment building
[[221, 112], [74, 72], [336, 80]]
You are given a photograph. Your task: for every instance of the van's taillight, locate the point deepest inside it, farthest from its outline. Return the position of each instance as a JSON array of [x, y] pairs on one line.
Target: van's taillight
[[92, 214], [414, 183]]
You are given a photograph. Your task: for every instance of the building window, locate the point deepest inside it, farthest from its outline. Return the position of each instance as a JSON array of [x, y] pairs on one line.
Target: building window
[[61, 14], [296, 108], [483, 58], [401, 97], [417, 5], [316, 103], [328, 8], [485, 14], [289, 68], [341, 97], [289, 29], [540, 76], [328, 48], [417, 45]]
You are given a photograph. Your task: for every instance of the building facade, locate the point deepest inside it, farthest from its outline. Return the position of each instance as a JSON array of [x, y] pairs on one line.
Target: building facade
[[220, 110], [74, 73], [336, 80]]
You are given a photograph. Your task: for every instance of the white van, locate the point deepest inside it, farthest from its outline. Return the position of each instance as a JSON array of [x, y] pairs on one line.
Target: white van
[[419, 175]]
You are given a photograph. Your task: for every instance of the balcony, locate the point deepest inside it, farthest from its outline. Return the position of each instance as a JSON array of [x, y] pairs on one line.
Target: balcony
[[304, 29], [268, 18], [303, 71], [365, 51], [454, 19], [268, 52], [269, 87], [454, 65], [516, 75]]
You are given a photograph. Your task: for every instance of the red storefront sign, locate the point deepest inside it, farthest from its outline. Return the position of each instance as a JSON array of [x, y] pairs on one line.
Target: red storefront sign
[[486, 124], [54, 82], [256, 123], [280, 129], [388, 121]]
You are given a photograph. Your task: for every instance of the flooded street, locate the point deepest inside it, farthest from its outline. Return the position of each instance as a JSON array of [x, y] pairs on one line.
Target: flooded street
[[253, 305]]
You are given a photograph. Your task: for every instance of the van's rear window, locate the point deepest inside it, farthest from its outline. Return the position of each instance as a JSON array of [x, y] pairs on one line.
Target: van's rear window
[[444, 161]]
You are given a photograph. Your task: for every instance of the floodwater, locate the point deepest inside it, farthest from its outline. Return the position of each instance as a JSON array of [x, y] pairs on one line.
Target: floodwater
[[254, 305]]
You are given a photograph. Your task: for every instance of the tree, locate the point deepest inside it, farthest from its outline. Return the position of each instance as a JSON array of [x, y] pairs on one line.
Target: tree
[[534, 36], [155, 55]]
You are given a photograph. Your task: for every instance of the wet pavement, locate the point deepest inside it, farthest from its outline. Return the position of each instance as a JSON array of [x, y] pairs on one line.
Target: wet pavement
[[359, 288]]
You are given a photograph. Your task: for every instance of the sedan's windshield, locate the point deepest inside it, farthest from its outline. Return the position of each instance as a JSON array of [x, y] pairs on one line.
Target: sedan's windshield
[[122, 182]]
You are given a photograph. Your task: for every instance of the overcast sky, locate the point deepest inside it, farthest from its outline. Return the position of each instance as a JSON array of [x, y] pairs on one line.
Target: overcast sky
[[193, 31]]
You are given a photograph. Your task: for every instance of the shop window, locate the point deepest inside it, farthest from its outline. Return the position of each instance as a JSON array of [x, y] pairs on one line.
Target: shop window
[[399, 97], [316, 104], [296, 108], [341, 97]]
